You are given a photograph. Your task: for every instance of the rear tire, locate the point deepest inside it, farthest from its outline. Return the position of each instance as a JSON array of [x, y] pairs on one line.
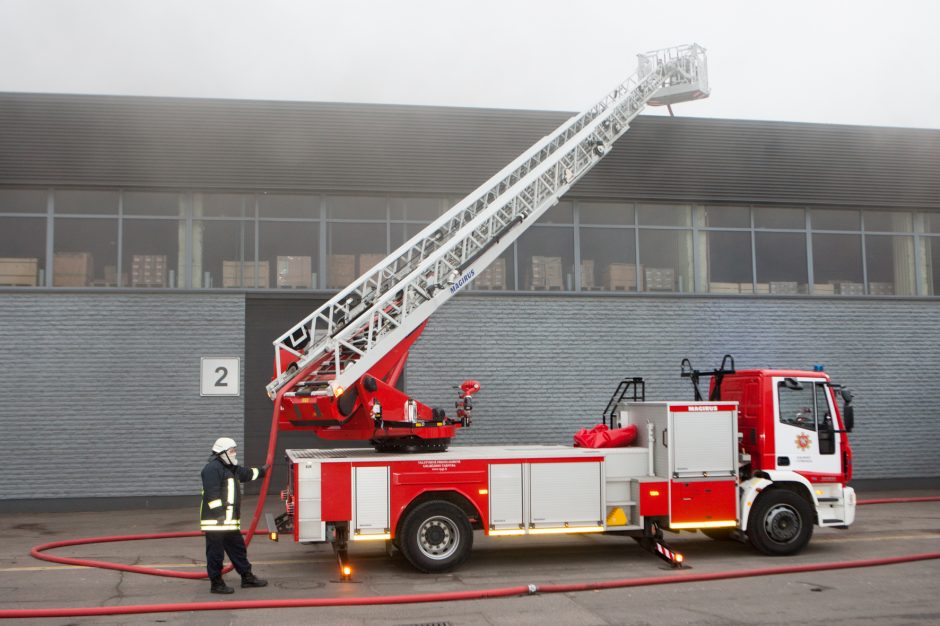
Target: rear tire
[[781, 523], [436, 537]]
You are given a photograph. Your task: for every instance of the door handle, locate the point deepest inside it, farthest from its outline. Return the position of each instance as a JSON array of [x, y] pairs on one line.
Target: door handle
[[783, 460]]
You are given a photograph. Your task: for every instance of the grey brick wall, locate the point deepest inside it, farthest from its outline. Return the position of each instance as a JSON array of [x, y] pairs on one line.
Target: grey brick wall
[[100, 392], [548, 364], [99, 395]]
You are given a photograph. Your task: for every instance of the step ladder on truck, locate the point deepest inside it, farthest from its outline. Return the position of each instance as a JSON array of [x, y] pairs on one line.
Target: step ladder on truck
[[737, 464]]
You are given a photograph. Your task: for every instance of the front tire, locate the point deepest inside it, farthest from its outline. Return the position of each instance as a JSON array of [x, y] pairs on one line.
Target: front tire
[[781, 523], [436, 537]]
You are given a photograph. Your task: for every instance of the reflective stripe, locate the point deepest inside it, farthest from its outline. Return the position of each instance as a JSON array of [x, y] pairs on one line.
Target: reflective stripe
[[254, 473], [231, 490], [215, 504], [222, 527]]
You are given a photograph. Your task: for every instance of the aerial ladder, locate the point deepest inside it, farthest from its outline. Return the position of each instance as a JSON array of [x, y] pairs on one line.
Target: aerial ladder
[[335, 371]]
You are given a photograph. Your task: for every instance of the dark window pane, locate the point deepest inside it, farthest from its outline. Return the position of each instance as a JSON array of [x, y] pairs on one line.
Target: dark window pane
[[837, 265], [416, 209], [22, 251], [280, 205], [888, 221], [352, 249], [664, 215], [766, 217], [223, 255], [890, 263], [608, 259], [781, 262], [83, 249], [933, 222], [825, 219], [666, 257], [22, 200], [933, 270], [561, 213], [728, 216], [356, 207], [729, 262], [88, 202], [797, 406], [546, 255], [152, 203], [292, 250], [151, 255], [607, 213], [223, 205]]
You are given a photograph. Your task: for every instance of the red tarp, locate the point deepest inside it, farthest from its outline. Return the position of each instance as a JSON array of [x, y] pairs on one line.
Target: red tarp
[[602, 437]]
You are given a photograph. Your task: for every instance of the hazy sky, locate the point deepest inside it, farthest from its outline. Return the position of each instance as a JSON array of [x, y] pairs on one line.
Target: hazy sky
[[851, 62]]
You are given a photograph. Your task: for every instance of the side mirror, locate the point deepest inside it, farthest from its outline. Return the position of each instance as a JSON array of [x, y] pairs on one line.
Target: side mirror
[[848, 416]]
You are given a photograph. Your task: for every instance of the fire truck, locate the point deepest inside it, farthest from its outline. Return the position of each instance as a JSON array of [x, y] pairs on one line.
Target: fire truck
[[765, 457]]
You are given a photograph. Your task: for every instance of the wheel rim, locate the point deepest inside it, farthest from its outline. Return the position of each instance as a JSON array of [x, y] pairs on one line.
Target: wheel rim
[[438, 537], [783, 523]]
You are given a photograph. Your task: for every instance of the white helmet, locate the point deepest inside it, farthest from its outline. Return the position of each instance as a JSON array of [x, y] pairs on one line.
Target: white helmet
[[222, 444]]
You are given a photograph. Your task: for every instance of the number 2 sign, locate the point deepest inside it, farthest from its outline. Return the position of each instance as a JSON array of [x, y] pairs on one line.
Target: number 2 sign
[[220, 376]]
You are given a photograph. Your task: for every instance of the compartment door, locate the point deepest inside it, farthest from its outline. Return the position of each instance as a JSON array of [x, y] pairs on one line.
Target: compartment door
[[370, 513], [566, 495], [506, 496]]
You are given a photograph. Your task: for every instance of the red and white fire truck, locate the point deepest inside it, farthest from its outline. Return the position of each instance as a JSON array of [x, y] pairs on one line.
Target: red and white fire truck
[[765, 457]]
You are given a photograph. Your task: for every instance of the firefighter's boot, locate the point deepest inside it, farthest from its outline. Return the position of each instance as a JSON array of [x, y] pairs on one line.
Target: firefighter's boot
[[219, 586], [250, 580]]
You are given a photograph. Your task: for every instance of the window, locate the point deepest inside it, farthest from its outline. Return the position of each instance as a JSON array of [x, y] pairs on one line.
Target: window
[[289, 251], [22, 251], [797, 405], [22, 201], [727, 217], [356, 208], [768, 217], [84, 248], [664, 215], [224, 255], [606, 213], [834, 219], [152, 203], [151, 255], [223, 205], [887, 221], [729, 262], [353, 248], [546, 257], [890, 263], [837, 265], [932, 245], [608, 259], [666, 260], [86, 202], [781, 262], [282, 205]]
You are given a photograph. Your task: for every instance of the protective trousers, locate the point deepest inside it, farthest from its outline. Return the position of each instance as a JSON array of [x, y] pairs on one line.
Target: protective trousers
[[222, 542]]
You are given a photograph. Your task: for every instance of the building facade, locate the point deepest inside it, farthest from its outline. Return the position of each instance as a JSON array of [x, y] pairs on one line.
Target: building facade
[[138, 235]]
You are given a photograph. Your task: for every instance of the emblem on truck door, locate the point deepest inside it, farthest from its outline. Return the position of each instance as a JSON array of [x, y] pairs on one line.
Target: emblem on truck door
[[803, 442]]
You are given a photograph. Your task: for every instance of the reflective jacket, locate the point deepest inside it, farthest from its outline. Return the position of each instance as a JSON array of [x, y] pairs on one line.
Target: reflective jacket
[[221, 497]]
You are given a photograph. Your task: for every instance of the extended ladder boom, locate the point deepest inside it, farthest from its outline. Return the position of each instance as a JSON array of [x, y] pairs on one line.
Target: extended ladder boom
[[339, 342]]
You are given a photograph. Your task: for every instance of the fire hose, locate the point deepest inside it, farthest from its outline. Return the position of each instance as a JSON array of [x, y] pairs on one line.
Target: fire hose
[[39, 552]]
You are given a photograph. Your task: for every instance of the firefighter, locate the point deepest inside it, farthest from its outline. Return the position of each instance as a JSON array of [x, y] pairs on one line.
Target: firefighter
[[219, 515]]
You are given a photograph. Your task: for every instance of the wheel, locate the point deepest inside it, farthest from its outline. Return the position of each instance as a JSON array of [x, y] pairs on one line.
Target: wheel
[[436, 537], [781, 523]]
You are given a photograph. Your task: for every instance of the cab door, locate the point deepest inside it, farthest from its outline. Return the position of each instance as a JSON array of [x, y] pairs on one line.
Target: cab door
[[804, 435]]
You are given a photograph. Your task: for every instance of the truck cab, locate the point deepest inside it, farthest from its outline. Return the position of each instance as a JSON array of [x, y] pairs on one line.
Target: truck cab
[[795, 458]]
